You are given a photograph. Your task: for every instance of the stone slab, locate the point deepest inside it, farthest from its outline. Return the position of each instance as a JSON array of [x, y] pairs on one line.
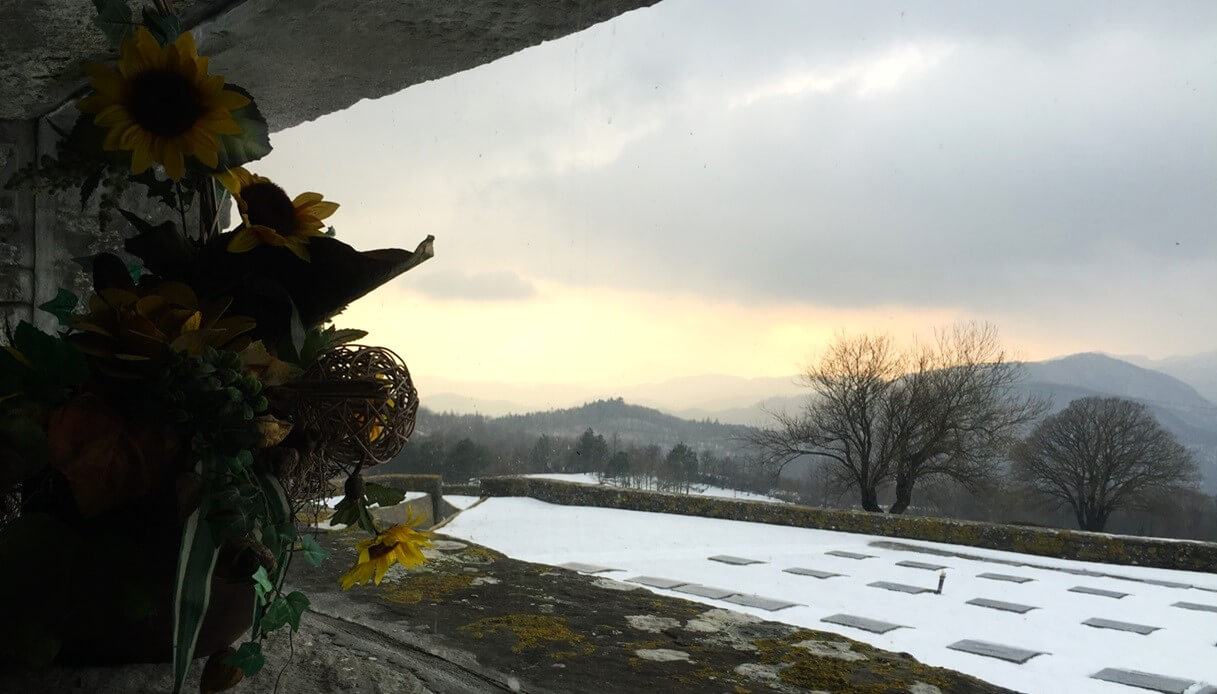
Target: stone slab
[[1083, 572], [1144, 680], [1195, 606], [921, 565], [814, 573], [586, 568], [757, 601], [1098, 591], [899, 587], [872, 625], [656, 582], [737, 561], [1100, 623], [849, 555], [1005, 577], [999, 605], [989, 649], [1164, 584], [705, 591]]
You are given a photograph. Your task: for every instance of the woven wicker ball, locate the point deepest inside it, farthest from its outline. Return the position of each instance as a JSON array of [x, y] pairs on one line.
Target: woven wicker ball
[[359, 430]]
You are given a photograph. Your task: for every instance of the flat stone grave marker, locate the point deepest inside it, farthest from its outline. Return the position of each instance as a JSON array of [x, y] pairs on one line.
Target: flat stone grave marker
[[1195, 606], [737, 561], [1144, 680], [921, 565], [760, 602], [988, 649], [656, 582], [1165, 584], [872, 625], [1210, 590], [1100, 623], [999, 605], [586, 568], [849, 555], [1004, 577], [1098, 591], [815, 573], [705, 591], [899, 587]]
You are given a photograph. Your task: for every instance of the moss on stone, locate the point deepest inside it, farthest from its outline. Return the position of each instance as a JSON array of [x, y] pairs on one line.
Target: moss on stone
[[426, 586], [879, 672], [532, 632]]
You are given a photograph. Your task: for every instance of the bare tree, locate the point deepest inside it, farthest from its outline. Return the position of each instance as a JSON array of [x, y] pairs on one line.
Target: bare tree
[[843, 420], [956, 411], [949, 408], [1101, 454]]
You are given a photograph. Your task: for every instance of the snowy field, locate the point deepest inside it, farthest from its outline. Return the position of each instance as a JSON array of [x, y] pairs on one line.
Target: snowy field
[[639, 544], [696, 489]]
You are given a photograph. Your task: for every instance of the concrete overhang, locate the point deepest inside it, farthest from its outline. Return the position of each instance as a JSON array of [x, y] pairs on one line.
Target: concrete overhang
[[301, 59]]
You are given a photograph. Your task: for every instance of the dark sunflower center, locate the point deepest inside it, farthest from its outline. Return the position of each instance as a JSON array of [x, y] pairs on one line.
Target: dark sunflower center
[[269, 206], [378, 550], [164, 103]]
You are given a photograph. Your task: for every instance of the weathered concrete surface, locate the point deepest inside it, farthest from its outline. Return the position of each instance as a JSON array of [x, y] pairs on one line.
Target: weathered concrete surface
[[473, 621], [301, 59], [1186, 555]]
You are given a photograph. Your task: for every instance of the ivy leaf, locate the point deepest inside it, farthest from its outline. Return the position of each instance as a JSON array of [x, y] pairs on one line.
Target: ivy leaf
[[254, 140], [262, 584], [248, 657], [165, 28], [278, 614], [313, 553], [381, 495], [61, 306], [114, 20], [297, 604], [141, 225]]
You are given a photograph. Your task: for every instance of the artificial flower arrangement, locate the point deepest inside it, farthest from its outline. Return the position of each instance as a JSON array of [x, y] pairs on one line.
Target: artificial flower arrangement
[[158, 451]]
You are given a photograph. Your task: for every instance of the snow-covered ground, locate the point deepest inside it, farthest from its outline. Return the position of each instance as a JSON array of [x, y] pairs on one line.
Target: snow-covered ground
[[678, 547], [697, 489]]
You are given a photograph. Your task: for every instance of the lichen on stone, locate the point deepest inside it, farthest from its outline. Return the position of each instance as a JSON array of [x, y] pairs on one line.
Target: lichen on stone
[[532, 632]]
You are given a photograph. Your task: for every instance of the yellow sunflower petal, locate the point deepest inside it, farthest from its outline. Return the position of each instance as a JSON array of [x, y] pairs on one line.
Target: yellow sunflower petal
[[243, 240], [185, 45], [112, 115], [173, 158], [219, 122], [323, 209], [141, 157], [204, 146], [230, 100], [306, 199], [106, 81], [231, 179], [382, 567], [360, 573]]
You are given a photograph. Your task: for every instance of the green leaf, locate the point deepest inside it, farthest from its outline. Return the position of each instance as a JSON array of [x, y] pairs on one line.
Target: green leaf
[[352, 511], [254, 140], [262, 584], [381, 495], [136, 271], [61, 306], [248, 657], [192, 588], [114, 20], [141, 225], [276, 616], [54, 363], [24, 450], [313, 553], [165, 28], [90, 185], [297, 604]]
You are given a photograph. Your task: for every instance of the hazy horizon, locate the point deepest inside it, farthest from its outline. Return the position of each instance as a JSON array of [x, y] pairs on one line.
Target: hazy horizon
[[699, 188]]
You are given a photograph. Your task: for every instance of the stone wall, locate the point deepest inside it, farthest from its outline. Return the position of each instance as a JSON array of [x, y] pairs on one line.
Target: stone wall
[[1064, 544]]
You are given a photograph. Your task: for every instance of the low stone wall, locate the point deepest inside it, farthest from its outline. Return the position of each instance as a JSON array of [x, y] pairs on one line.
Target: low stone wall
[[1064, 544], [433, 485]]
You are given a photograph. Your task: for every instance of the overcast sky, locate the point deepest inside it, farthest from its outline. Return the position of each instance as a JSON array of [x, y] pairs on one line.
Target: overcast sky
[[719, 187]]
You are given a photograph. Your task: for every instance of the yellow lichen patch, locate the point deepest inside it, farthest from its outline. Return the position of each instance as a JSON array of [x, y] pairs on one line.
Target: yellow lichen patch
[[482, 554], [531, 632], [876, 673], [433, 587]]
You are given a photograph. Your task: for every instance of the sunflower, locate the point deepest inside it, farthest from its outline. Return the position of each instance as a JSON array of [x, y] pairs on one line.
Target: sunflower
[[272, 218], [397, 545], [161, 104]]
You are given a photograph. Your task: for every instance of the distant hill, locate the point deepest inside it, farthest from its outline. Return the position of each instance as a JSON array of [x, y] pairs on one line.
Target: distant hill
[[629, 423], [1197, 370], [1099, 373]]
